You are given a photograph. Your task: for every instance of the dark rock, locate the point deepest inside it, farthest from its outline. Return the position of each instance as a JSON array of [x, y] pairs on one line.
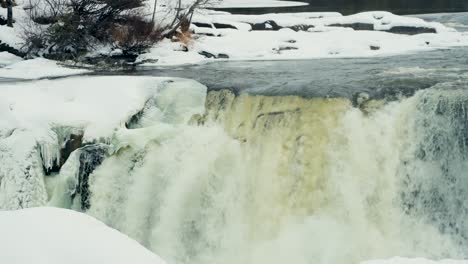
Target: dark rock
[[90, 158], [208, 34], [267, 25], [223, 56], [3, 21], [411, 30], [355, 26], [224, 26], [301, 27], [203, 25], [280, 49], [6, 48], [374, 47], [74, 142], [206, 54]]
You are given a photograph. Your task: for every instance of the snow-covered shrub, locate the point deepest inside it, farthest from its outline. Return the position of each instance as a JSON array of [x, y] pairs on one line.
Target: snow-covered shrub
[[70, 28]]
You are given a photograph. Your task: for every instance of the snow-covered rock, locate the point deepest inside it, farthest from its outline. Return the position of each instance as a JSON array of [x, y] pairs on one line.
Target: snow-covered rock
[[58, 236]]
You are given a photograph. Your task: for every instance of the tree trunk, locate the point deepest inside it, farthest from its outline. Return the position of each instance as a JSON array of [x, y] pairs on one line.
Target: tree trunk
[[154, 11], [9, 4]]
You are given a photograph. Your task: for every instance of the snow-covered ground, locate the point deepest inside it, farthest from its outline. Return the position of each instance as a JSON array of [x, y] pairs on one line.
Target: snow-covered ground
[[58, 236], [399, 260], [304, 36], [34, 69], [8, 58]]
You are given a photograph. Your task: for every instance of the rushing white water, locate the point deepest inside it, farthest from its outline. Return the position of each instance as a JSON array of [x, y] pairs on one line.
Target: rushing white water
[[292, 180], [220, 178]]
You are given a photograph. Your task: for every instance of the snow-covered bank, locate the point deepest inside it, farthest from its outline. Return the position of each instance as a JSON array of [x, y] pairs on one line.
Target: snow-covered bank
[[303, 36], [398, 260], [220, 35], [35, 69], [57, 236], [39, 121]]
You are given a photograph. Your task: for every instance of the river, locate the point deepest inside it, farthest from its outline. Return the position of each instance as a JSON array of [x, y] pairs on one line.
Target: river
[[401, 7]]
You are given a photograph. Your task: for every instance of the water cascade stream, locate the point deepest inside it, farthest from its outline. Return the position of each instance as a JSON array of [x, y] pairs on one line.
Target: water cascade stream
[[280, 179], [259, 179]]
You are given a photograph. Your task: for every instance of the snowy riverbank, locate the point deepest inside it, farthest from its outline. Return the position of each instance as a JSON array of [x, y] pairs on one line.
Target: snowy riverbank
[[304, 36], [223, 36]]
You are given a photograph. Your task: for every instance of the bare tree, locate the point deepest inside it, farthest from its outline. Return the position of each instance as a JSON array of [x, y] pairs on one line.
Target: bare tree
[[154, 11], [9, 5], [183, 16]]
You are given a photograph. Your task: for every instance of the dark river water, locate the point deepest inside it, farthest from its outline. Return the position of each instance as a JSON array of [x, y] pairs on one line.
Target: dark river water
[[380, 77], [354, 6]]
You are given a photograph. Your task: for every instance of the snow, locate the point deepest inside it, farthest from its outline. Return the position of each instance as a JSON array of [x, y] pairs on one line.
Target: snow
[[36, 117], [36, 69], [57, 236], [10, 36], [320, 37], [399, 260], [256, 3], [8, 58]]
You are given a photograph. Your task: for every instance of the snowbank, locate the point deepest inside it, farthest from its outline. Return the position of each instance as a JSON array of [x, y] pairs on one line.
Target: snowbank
[[8, 58], [38, 118], [224, 36], [57, 236], [398, 260], [36, 69]]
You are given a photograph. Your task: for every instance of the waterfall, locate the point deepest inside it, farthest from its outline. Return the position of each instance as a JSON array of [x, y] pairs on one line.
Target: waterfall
[[218, 177], [259, 179]]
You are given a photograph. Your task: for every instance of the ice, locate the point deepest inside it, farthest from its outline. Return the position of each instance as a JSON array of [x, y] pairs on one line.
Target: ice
[[37, 118]]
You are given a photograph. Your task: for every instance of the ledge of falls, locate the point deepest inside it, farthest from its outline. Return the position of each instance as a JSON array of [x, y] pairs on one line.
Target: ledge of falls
[[209, 177]]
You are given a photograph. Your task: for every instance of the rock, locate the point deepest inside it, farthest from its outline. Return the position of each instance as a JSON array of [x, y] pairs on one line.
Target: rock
[[222, 56], [202, 25], [411, 30], [355, 26], [206, 54], [209, 55], [360, 98], [3, 21], [301, 27], [6, 48], [374, 47], [280, 49], [90, 157], [267, 25], [224, 26]]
